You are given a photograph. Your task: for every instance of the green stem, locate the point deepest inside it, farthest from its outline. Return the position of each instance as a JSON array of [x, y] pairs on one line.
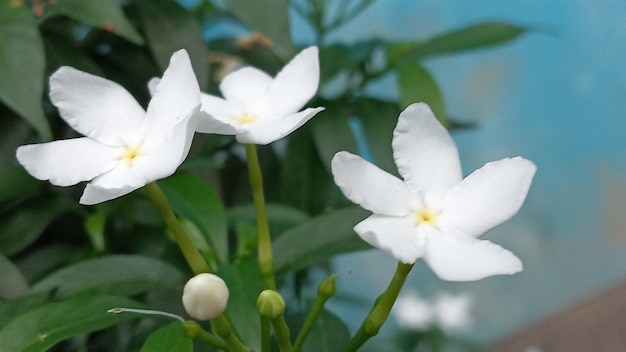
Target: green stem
[[266, 259], [281, 332], [325, 290], [223, 329], [381, 309], [192, 330], [194, 258], [265, 334]]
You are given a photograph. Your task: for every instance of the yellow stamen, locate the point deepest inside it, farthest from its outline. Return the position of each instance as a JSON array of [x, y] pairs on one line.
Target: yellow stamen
[[131, 153], [426, 215], [243, 119]]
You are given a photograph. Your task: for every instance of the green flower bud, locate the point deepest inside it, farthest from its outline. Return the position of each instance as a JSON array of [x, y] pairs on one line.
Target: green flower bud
[[205, 296], [327, 287], [270, 304]]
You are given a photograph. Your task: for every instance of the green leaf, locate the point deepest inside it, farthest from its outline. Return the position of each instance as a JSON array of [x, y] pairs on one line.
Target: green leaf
[[244, 283], [12, 282], [328, 333], [339, 57], [15, 307], [169, 338], [62, 52], [103, 14], [332, 133], [418, 85], [21, 227], [269, 17], [43, 327], [193, 198], [318, 239], [22, 65], [305, 182], [115, 274], [278, 215], [169, 27], [468, 38], [15, 182]]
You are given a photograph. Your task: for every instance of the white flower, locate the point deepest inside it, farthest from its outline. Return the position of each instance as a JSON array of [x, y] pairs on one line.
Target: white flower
[[259, 109], [125, 147], [449, 312], [205, 296], [434, 213]]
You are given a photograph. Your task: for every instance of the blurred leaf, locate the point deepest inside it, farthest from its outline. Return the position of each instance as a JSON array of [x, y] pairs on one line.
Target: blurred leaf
[[304, 180], [244, 283], [103, 14], [279, 215], [43, 327], [329, 333], [193, 198], [15, 307], [21, 227], [12, 282], [115, 274], [338, 57], [168, 339], [468, 38], [63, 52], [94, 226], [332, 133], [319, 239], [417, 85], [169, 27], [16, 182], [42, 260], [379, 118], [22, 65], [269, 17]]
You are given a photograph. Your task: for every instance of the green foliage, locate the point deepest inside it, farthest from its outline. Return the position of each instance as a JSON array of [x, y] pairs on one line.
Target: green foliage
[[62, 266]]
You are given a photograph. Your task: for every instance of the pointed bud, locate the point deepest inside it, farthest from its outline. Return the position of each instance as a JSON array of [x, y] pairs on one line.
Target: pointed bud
[[205, 296], [327, 287], [270, 304]]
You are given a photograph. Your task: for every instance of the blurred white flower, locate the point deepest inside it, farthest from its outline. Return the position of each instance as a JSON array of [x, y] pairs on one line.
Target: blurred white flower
[[449, 312], [259, 109], [125, 147], [205, 296], [433, 213]]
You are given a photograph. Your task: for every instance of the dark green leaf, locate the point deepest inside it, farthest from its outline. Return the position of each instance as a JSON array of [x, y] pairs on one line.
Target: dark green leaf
[[329, 333], [22, 65], [103, 14], [192, 198], [21, 227], [338, 57], [62, 52], [468, 38], [332, 133], [305, 182], [12, 282], [279, 215], [43, 327], [269, 17], [15, 307], [417, 85], [15, 182], [169, 27], [244, 283], [168, 339], [319, 239], [115, 274]]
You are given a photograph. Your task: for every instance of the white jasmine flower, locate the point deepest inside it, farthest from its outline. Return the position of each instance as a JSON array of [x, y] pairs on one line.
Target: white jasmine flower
[[449, 312], [433, 213], [125, 147], [413, 312], [205, 296], [260, 109]]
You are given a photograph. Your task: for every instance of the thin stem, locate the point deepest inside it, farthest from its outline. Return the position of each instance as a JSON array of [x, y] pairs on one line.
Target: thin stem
[[266, 259], [265, 334], [325, 290], [192, 330], [281, 332], [382, 307], [192, 256], [223, 329]]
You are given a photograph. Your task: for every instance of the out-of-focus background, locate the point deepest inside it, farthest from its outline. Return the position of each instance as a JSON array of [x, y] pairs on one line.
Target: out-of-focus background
[[555, 96]]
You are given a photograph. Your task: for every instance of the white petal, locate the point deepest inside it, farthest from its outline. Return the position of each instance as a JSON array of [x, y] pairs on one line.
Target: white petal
[[209, 124], [370, 187], [265, 132], [175, 96], [152, 85], [96, 107], [293, 86], [425, 154], [217, 115], [96, 194], [488, 197], [246, 88], [67, 162], [397, 236], [456, 257]]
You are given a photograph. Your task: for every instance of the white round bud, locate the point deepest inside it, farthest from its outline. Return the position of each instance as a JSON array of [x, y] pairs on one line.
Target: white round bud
[[205, 296]]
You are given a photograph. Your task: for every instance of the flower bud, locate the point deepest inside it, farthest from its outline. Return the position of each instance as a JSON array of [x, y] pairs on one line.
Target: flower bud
[[327, 287], [270, 304], [205, 296]]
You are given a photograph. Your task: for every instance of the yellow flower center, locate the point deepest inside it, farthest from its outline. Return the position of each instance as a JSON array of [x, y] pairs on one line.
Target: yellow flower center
[[131, 153], [426, 215], [243, 119]]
